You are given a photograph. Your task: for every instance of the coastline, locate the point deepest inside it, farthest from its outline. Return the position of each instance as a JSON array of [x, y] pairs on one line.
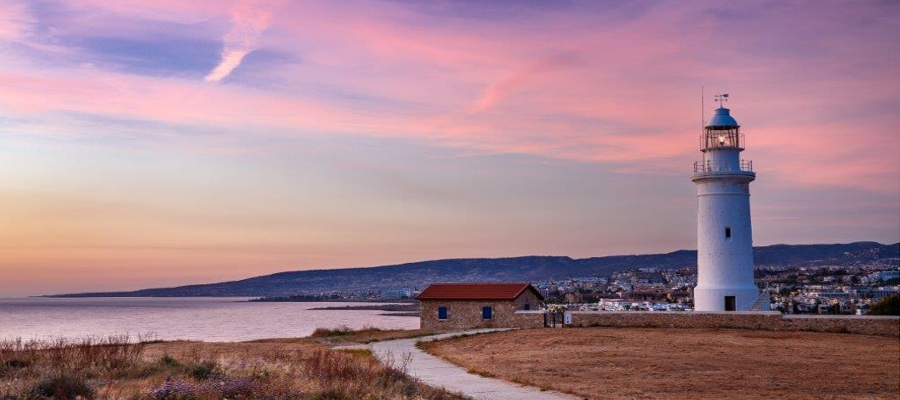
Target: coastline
[[202, 319]]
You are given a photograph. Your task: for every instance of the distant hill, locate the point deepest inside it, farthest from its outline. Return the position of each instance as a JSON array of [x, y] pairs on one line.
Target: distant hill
[[529, 268]]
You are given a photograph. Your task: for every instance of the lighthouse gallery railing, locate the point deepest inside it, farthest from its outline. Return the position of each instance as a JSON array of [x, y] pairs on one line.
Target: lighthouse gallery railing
[[710, 166]]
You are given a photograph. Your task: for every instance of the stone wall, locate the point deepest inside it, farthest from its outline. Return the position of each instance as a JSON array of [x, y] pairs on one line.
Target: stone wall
[[528, 319], [761, 320], [863, 325], [467, 314], [510, 314], [695, 319]]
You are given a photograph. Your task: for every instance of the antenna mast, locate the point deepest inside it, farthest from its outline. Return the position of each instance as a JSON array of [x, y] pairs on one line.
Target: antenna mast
[[702, 108]]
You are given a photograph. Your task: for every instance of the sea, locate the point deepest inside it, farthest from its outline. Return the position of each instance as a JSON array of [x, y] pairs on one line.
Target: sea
[[208, 319]]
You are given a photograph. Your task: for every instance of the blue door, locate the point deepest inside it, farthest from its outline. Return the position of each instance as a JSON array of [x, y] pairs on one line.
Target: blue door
[[487, 312]]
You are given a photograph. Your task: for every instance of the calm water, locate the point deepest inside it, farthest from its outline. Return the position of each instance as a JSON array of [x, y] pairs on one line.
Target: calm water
[[207, 319]]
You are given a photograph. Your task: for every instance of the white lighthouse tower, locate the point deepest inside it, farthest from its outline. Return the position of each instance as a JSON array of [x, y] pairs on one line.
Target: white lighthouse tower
[[724, 237]]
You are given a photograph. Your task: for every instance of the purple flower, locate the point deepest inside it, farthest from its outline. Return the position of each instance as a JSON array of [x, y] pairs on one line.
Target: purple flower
[[176, 389]]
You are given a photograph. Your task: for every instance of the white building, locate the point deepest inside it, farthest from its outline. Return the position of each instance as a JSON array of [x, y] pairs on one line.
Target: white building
[[724, 237]]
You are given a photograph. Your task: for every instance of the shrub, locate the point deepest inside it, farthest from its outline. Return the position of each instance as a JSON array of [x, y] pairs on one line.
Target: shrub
[[887, 306], [203, 371], [62, 387], [328, 332], [88, 357], [343, 331], [364, 353], [168, 361], [114, 368], [17, 363]]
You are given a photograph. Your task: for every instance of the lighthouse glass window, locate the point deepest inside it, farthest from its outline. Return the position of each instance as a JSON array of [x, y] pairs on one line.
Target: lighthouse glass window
[[727, 232]]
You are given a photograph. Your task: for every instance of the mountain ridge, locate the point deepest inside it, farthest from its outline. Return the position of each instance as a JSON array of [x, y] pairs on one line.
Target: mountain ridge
[[416, 275]]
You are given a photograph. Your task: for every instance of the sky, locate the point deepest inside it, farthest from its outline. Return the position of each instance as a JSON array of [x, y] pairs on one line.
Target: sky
[[149, 143]]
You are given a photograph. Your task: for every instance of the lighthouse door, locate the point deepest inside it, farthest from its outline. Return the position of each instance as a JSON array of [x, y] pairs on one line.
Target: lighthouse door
[[729, 303]]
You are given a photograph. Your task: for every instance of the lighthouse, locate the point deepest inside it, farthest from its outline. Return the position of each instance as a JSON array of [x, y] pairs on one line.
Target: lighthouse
[[724, 236]]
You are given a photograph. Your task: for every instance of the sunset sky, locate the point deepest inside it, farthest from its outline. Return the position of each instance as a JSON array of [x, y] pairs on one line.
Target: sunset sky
[[159, 142]]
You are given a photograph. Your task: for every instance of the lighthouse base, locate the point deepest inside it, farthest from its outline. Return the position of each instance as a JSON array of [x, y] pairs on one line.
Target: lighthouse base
[[727, 299]]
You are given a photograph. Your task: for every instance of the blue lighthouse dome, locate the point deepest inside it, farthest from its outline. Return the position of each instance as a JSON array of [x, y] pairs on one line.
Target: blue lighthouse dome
[[722, 119]]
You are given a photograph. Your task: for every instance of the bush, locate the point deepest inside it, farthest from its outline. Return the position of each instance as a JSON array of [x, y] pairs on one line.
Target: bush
[[887, 306], [63, 387], [342, 331], [328, 332], [17, 364], [168, 361], [203, 371], [113, 368], [88, 357]]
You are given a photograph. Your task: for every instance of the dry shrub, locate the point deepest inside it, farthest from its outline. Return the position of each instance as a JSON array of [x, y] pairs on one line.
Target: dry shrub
[[345, 335], [62, 387], [113, 368], [343, 331], [358, 377], [87, 357], [203, 371], [64, 368]]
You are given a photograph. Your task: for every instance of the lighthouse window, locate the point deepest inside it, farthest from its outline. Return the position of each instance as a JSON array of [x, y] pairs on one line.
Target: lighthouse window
[[728, 232]]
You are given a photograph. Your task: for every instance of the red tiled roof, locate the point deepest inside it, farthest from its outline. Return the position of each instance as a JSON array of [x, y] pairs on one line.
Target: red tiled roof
[[476, 291]]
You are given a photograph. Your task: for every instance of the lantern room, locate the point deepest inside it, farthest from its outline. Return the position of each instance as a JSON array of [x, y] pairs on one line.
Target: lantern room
[[722, 131]]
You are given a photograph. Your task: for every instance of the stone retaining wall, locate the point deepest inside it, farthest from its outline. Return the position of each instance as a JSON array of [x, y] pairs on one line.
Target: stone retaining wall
[[762, 320], [863, 325], [528, 319]]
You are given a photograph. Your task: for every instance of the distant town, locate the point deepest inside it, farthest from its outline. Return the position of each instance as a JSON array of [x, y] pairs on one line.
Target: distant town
[[828, 289], [813, 289]]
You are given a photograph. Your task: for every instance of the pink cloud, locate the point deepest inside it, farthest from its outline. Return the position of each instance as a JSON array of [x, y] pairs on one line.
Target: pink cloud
[[162, 10], [15, 22], [505, 87], [249, 19], [583, 87]]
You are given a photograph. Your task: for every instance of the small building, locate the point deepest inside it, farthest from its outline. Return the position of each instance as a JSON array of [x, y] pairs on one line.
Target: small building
[[453, 306]]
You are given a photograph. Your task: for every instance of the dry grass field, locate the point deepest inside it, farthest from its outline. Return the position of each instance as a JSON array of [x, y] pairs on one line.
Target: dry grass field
[[634, 363], [116, 368], [344, 335]]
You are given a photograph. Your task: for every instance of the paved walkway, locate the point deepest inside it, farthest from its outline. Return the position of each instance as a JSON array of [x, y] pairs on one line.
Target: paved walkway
[[439, 373]]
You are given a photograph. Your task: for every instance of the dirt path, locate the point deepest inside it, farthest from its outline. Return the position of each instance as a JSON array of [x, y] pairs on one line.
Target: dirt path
[[439, 373]]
